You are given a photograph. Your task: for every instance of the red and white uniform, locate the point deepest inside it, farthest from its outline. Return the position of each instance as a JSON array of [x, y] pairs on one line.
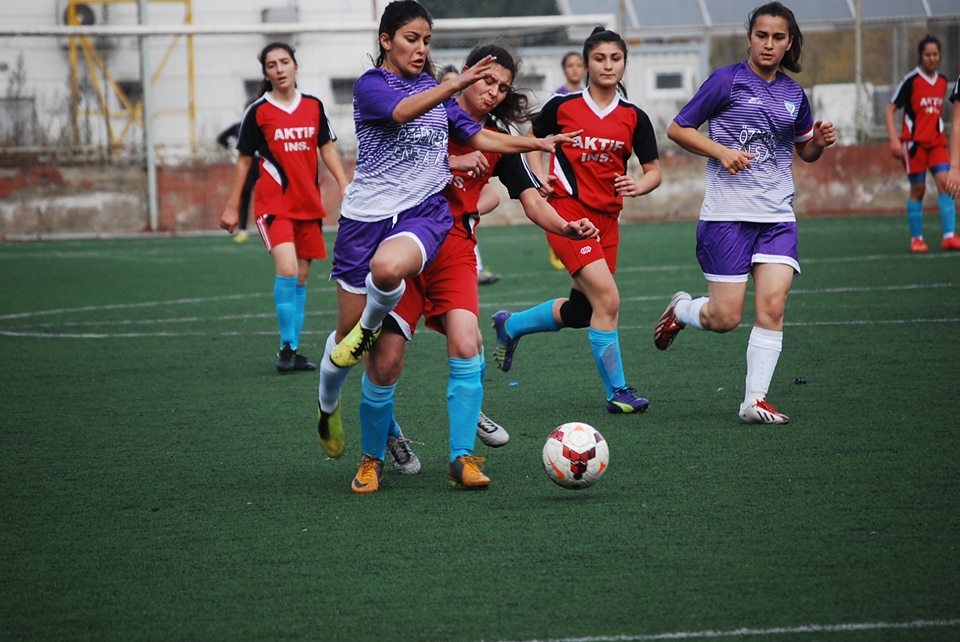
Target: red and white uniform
[[285, 139], [585, 170], [450, 281], [923, 133]]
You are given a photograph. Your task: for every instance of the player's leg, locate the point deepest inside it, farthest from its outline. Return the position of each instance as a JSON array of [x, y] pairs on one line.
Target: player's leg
[[946, 206], [284, 255], [464, 398], [915, 159], [772, 283]]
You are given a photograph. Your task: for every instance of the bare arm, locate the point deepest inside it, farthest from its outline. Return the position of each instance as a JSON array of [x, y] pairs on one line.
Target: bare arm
[[824, 135], [953, 177], [541, 213], [331, 158], [230, 217], [889, 116], [626, 185], [488, 140], [420, 103], [733, 160]]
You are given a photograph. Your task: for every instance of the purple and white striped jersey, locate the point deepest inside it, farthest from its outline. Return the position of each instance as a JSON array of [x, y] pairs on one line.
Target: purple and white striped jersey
[[399, 165], [766, 119]]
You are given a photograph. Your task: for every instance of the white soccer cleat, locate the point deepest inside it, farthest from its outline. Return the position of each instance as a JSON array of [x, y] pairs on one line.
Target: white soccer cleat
[[761, 412], [490, 432], [404, 460]]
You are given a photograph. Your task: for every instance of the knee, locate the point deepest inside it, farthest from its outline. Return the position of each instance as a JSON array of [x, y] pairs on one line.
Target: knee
[[721, 320], [576, 311], [386, 270]]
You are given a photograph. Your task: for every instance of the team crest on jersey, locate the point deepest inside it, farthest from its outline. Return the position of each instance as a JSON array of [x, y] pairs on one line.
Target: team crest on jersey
[[791, 107]]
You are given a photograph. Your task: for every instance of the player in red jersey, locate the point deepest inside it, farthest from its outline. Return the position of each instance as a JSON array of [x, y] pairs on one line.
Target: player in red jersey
[[286, 132], [445, 294], [922, 143], [589, 178]]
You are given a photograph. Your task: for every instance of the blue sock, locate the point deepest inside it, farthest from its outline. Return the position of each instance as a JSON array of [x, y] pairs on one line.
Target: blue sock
[[284, 300], [464, 400], [539, 318], [915, 217], [948, 213], [394, 429], [606, 354], [376, 415], [300, 311]]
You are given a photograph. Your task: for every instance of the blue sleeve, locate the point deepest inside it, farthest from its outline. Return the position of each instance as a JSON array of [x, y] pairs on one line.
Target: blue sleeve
[[712, 97], [462, 124], [373, 99]]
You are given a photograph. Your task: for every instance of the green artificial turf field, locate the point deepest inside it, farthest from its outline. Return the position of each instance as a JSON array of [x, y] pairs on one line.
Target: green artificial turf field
[[161, 481]]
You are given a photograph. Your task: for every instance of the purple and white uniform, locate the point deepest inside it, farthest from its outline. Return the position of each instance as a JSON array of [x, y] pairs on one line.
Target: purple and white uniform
[[401, 170], [755, 205]]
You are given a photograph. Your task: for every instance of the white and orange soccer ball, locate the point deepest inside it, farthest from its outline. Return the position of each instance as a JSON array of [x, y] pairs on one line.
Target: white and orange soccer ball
[[576, 455]]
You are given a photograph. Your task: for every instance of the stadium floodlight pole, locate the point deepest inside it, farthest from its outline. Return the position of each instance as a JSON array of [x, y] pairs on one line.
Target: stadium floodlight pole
[[147, 115]]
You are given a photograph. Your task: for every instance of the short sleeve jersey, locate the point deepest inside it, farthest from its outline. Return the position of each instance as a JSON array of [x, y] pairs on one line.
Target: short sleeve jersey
[[765, 119], [399, 165], [921, 99], [463, 192], [285, 139], [586, 168]]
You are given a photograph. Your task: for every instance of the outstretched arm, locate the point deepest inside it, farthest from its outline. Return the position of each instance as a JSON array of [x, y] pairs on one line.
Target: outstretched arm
[[542, 213]]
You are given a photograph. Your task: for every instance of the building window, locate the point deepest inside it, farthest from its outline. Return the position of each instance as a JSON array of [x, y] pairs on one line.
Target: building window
[[342, 90], [668, 80]]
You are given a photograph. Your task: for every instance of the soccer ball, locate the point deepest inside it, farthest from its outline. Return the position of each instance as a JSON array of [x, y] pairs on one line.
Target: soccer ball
[[575, 455]]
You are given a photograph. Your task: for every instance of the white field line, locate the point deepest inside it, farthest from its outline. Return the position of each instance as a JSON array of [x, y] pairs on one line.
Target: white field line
[[46, 329], [746, 632]]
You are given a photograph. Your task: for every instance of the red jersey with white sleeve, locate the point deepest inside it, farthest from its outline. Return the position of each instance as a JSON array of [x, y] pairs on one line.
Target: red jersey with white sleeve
[[586, 168], [285, 140], [921, 99]]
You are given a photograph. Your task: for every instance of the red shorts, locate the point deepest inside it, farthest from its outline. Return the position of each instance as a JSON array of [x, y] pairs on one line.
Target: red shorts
[[448, 283], [576, 254], [918, 158], [306, 236]]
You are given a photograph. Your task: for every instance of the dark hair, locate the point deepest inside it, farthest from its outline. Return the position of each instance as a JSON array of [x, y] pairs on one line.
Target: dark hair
[[926, 40], [601, 34], [791, 59], [447, 69], [395, 15], [567, 56], [515, 108], [265, 84]]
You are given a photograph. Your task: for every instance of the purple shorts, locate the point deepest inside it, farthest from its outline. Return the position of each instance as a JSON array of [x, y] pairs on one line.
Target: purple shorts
[[727, 250], [357, 241]]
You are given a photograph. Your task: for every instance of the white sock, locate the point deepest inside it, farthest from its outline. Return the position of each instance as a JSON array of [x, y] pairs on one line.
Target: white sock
[[688, 312], [331, 378], [763, 352], [379, 304]]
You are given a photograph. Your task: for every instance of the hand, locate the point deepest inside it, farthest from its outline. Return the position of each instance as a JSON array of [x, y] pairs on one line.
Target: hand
[[478, 71], [229, 219], [581, 230], [624, 185], [896, 149], [549, 144], [953, 181], [824, 134], [735, 160], [475, 163], [546, 185]]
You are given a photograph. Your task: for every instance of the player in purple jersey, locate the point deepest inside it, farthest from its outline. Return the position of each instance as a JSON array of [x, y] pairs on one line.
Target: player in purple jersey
[[393, 217], [758, 115], [953, 176]]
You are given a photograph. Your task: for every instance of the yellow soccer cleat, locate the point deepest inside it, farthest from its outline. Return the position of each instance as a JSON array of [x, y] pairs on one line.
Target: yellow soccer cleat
[[330, 432], [367, 479], [466, 472], [348, 352]]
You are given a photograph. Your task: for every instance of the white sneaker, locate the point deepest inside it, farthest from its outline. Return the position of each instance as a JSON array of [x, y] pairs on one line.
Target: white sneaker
[[761, 412], [490, 432], [404, 460]]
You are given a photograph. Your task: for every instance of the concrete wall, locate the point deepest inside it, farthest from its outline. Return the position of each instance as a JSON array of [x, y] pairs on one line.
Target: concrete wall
[[52, 201]]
